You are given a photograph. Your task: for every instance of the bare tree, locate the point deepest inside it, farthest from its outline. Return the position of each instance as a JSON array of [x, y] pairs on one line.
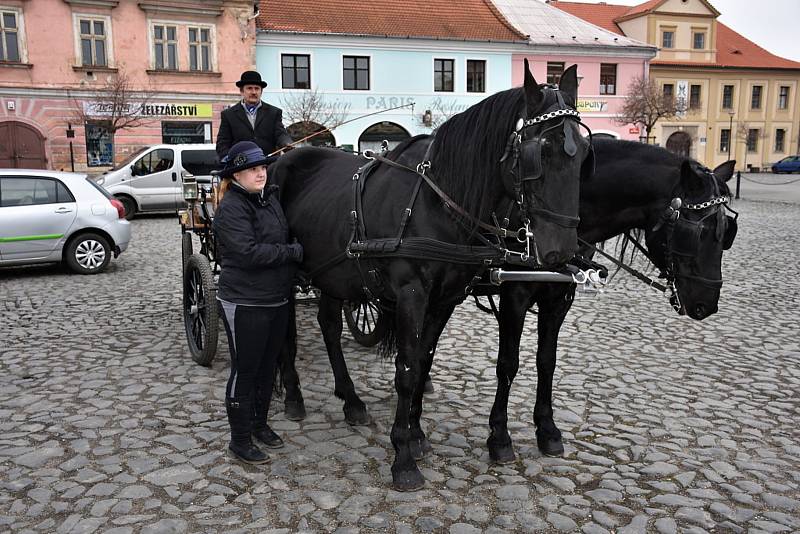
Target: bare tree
[[116, 103], [309, 112], [743, 134], [646, 104]]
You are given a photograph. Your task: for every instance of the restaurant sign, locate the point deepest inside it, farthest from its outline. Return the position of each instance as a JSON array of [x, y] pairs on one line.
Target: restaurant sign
[[592, 106], [155, 110]]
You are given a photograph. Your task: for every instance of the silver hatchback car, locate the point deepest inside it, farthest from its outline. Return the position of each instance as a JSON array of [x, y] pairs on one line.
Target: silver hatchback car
[[48, 216]]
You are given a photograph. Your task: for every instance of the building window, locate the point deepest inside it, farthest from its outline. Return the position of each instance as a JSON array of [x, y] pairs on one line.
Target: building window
[[783, 97], [699, 41], [755, 99], [93, 42], [668, 39], [443, 74], [727, 97], [554, 71], [176, 133], [694, 96], [9, 36], [296, 71], [99, 144], [356, 73], [669, 91], [780, 139], [724, 140], [165, 47], [608, 79], [752, 140], [200, 49], [476, 76]]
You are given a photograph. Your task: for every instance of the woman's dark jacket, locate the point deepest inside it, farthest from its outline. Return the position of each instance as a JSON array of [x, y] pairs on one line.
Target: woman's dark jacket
[[253, 245]]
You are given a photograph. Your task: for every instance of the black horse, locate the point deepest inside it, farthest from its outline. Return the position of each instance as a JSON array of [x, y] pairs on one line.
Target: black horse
[[632, 188], [377, 231]]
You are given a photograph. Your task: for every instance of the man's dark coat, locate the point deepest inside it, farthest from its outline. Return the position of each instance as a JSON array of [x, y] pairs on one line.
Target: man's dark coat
[[269, 132]]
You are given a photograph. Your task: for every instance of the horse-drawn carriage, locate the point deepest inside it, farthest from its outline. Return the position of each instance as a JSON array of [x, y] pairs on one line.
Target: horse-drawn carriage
[[201, 268]]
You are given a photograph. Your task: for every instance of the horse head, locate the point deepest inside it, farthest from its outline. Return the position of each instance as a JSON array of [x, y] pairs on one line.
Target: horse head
[[688, 241], [549, 159]]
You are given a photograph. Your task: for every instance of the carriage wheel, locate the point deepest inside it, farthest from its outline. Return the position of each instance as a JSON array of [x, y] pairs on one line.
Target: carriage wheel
[[366, 322], [186, 248], [200, 312]]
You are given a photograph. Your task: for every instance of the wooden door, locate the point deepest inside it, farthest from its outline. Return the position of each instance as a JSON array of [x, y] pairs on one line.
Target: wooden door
[[21, 146]]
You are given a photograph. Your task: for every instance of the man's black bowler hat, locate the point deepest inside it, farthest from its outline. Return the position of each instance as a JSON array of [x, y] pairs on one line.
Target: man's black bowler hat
[[251, 77]]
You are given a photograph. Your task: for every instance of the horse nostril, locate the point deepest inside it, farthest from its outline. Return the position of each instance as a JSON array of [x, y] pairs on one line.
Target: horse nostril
[[700, 311]]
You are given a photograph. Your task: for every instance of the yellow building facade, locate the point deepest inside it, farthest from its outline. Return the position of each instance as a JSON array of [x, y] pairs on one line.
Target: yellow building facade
[[740, 99]]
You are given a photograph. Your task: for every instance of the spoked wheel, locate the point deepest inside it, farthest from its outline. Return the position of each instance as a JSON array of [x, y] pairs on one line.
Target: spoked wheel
[[366, 322], [200, 312]]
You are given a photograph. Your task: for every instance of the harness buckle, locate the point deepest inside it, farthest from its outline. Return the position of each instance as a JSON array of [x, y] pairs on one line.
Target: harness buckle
[[423, 166]]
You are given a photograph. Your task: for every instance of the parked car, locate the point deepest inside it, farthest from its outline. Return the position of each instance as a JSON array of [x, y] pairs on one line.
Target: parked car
[[48, 216], [151, 179], [787, 164]]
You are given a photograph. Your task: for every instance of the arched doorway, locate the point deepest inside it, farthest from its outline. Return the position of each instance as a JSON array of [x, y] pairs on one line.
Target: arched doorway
[[299, 130], [21, 146], [680, 143], [373, 136]]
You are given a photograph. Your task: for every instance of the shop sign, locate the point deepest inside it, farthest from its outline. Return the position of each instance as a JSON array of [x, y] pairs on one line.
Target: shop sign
[[592, 106], [633, 130], [157, 109]]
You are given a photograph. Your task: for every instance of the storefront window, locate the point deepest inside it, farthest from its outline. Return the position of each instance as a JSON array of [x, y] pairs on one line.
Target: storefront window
[[99, 144], [174, 133]]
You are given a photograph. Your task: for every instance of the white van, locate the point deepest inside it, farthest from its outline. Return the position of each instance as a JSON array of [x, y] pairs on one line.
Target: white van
[[151, 179]]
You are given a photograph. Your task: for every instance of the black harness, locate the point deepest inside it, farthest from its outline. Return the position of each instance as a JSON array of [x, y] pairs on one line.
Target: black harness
[[492, 250]]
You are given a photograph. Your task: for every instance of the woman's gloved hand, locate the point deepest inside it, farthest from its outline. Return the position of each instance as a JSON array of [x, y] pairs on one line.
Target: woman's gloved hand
[[295, 251]]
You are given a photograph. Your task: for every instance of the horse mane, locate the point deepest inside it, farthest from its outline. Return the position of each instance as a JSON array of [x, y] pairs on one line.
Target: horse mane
[[467, 149]]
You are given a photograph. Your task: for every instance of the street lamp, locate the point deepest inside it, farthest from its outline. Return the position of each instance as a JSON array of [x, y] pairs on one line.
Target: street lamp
[[730, 134]]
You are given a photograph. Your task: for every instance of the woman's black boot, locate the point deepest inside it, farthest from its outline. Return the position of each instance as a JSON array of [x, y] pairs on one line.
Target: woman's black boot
[[240, 410], [261, 430]]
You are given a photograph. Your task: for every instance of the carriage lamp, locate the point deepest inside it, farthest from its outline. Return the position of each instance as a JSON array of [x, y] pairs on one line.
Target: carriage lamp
[[189, 187]]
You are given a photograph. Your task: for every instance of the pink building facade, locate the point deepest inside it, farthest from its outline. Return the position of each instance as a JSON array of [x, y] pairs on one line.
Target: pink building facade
[[600, 97], [65, 55]]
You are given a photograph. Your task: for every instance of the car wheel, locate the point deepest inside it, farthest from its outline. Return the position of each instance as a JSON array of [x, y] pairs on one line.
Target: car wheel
[[88, 254], [130, 207]]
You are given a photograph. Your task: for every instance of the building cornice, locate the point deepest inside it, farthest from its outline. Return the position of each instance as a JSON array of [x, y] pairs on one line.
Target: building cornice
[[108, 4], [310, 40], [79, 93], [206, 8], [726, 68]]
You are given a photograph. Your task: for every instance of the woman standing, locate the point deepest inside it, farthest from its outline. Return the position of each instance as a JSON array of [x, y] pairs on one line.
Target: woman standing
[[258, 265]]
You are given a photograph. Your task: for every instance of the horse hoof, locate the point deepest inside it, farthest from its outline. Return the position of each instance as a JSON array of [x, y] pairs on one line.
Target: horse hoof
[[420, 448], [294, 410], [428, 386], [357, 417], [502, 455], [408, 480], [550, 446]]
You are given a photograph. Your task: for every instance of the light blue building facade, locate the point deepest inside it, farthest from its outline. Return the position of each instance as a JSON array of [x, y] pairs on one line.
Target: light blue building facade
[[426, 80]]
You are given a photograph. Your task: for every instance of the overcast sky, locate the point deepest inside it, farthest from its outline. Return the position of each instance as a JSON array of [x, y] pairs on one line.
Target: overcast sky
[[772, 24]]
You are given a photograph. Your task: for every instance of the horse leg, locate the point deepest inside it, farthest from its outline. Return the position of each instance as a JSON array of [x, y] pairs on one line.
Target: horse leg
[[412, 299], [293, 404], [553, 309], [515, 299], [329, 317], [434, 325]]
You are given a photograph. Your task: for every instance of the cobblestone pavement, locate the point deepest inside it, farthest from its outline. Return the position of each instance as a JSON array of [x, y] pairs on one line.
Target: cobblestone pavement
[[670, 425]]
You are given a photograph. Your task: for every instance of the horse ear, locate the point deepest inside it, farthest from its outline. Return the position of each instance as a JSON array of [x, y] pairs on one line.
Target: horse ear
[[691, 180], [569, 83], [725, 171], [533, 95]]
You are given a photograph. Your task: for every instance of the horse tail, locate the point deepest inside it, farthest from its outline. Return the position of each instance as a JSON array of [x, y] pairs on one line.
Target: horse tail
[[387, 346]]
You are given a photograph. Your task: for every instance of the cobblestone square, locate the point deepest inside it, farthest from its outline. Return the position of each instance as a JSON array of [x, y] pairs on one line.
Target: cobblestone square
[[670, 425]]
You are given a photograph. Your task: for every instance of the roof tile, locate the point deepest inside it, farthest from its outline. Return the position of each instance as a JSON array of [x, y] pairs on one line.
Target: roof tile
[[474, 20], [733, 49]]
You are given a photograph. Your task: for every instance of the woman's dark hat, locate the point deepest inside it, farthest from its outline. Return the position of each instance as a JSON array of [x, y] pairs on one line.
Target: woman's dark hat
[[243, 155], [251, 77]]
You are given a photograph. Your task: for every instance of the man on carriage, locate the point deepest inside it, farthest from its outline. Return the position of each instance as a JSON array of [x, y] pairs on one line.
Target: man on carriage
[[251, 119]]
